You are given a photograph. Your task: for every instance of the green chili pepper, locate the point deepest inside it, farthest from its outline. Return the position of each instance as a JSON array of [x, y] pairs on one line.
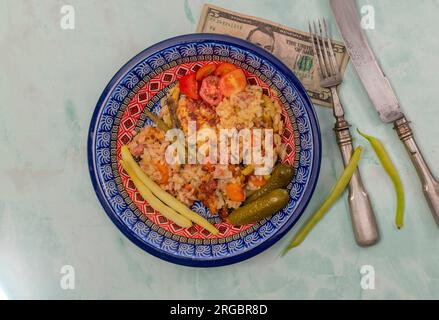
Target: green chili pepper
[[336, 192], [390, 168]]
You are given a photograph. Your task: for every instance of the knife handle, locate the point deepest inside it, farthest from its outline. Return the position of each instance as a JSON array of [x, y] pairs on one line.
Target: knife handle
[[430, 185], [362, 216]]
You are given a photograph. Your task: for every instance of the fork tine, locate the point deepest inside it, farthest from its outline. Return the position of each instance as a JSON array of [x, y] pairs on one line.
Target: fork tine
[[314, 49], [331, 50], [319, 53], [328, 64]]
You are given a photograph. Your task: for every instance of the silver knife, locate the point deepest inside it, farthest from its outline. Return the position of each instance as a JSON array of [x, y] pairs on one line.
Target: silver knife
[[381, 93]]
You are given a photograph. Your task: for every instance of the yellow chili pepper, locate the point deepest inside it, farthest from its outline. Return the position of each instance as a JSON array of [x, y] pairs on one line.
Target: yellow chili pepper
[[336, 192], [390, 168]]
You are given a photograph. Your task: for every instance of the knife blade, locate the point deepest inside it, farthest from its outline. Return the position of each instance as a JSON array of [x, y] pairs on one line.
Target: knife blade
[[377, 85], [382, 95]]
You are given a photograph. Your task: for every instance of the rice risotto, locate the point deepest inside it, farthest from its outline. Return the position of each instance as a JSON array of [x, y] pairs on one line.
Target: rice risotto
[[213, 184]]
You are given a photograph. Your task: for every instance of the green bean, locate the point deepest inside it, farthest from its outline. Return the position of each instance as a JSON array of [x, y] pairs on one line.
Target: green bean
[[336, 192], [390, 168], [161, 194], [154, 201], [160, 123], [172, 106]]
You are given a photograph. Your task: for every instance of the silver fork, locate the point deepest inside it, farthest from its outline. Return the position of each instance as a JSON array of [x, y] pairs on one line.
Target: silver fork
[[362, 216]]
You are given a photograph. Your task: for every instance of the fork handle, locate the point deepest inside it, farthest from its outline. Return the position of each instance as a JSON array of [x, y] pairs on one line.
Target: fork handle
[[430, 185], [362, 216]]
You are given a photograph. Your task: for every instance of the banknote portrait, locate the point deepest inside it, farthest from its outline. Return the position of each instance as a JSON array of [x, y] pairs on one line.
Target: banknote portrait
[[262, 36]]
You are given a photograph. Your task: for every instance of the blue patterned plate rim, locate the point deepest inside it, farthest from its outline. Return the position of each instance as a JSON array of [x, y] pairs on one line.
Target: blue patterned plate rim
[[200, 38]]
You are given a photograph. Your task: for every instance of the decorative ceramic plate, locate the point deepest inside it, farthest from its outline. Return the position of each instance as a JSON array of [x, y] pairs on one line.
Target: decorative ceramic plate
[[139, 86]]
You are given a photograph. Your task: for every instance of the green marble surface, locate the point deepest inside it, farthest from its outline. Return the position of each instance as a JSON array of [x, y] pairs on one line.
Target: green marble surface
[[50, 80]]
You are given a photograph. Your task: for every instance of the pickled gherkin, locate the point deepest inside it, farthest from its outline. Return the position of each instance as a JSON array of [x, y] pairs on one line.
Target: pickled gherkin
[[281, 178], [259, 209]]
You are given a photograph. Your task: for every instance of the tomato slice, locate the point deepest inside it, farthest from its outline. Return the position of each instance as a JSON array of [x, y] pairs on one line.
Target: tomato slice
[[225, 68], [210, 91], [233, 82], [205, 71], [189, 86]]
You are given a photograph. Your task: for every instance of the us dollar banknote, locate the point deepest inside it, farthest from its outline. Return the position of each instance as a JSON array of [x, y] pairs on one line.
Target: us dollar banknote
[[291, 46]]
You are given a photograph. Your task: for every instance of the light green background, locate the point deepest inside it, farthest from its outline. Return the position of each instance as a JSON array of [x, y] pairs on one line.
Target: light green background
[[50, 80]]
